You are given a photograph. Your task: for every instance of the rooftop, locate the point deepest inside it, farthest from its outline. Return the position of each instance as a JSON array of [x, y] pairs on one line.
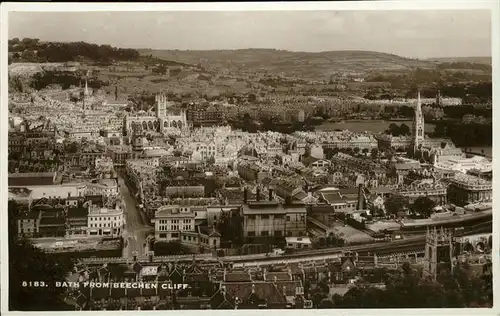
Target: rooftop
[[78, 212], [31, 179], [271, 207], [174, 211]]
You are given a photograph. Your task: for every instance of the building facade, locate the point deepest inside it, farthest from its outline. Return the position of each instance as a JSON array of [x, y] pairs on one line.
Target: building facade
[[467, 189], [170, 221], [105, 222], [265, 221]]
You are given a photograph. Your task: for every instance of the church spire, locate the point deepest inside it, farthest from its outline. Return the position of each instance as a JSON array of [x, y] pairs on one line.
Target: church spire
[[419, 103], [86, 84], [418, 124]]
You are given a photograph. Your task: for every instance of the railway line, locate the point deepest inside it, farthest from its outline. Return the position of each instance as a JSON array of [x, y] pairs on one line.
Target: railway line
[[409, 245]]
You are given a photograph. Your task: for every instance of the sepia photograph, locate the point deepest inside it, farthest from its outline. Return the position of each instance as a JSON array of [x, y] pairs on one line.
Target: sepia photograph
[[248, 159]]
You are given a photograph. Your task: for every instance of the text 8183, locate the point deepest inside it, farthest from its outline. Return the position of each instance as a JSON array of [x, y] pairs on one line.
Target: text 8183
[[34, 284]]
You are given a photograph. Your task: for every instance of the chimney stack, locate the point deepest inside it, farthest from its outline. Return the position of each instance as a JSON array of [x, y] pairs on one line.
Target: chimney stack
[[270, 194], [245, 196], [361, 200], [258, 194]]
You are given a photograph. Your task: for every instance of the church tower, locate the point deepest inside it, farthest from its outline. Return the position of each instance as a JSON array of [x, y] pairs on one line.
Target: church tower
[[439, 99], [161, 105], [438, 252], [418, 125]]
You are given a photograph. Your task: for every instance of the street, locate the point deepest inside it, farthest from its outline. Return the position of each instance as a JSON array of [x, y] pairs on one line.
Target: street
[[136, 228]]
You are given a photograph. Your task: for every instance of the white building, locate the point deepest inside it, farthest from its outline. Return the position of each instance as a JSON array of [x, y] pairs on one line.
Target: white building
[[104, 187], [206, 150], [55, 191], [465, 164], [105, 222], [170, 221]]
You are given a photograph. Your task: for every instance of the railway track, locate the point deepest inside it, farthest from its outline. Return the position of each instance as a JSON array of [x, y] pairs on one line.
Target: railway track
[[414, 244], [383, 247]]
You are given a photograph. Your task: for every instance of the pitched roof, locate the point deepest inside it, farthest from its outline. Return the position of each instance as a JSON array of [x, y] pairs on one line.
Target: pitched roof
[[333, 197], [209, 231], [99, 293], [78, 212], [262, 289], [300, 195], [237, 277], [52, 221], [196, 277], [278, 276], [28, 179]]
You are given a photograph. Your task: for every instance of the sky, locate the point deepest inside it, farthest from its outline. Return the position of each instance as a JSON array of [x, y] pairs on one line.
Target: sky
[[414, 34]]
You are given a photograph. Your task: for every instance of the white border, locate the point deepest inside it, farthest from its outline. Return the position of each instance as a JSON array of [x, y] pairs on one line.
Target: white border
[[492, 5]]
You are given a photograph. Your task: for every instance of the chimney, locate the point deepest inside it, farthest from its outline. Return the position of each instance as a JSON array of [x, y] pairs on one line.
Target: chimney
[[245, 196], [270, 194], [361, 200], [258, 194]]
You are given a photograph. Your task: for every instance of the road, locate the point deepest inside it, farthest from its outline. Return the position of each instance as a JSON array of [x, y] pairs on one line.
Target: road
[[136, 228]]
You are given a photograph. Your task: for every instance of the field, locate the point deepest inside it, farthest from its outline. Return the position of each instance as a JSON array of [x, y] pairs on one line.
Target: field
[[474, 60], [317, 66]]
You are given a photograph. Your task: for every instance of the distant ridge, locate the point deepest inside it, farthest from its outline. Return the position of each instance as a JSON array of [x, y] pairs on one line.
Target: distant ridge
[[319, 65], [473, 60]]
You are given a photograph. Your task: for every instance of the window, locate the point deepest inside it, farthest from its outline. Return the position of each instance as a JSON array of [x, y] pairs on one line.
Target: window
[[289, 234], [251, 234], [174, 235], [278, 233], [264, 233], [288, 218], [264, 216], [302, 218], [252, 217]]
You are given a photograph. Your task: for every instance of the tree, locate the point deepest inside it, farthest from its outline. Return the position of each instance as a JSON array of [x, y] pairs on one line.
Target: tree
[[365, 151], [393, 129], [404, 129], [418, 154], [374, 153], [211, 160], [170, 248], [72, 148], [423, 206], [396, 203], [28, 264], [406, 289], [356, 150]]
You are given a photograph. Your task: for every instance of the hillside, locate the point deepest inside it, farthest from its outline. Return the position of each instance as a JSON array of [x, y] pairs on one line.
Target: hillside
[[301, 64], [472, 60]]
